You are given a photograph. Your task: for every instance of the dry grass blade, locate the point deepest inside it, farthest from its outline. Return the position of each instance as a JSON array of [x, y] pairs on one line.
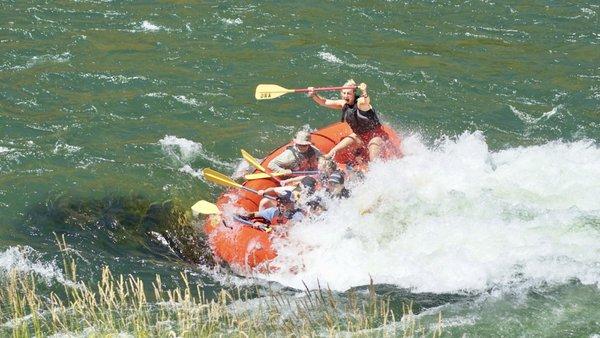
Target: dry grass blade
[[116, 305]]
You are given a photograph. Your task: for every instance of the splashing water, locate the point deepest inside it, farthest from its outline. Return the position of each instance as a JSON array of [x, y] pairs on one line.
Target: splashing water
[[457, 218], [149, 26], [25, 259], [180, 149], [185, 151]]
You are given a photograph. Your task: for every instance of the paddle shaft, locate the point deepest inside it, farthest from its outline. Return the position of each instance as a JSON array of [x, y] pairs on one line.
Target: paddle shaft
[[322, 89], [256, 192], [254, 162], [258, 176], [217, 177], [272, 91], [251, 224], [273, 177], [241, 220]]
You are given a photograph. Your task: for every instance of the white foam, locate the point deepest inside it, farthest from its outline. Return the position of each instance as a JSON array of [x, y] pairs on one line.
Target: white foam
[[532, 120], [156, 95], [4, 150], [189, 101], [149, 26], [589, 12], [181, 149], [24, 259], [458, 217], [116, 79], [46, 58], [330, 57], [179, 98], [63, 148], [162, 240], [185, 151], [189, 170], [233, 22]]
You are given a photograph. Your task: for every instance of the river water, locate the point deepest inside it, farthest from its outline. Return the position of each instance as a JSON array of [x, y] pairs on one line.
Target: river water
[[109, 109]]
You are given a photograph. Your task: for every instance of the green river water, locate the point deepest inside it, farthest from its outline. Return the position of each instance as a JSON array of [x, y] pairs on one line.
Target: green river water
[[109, 108]]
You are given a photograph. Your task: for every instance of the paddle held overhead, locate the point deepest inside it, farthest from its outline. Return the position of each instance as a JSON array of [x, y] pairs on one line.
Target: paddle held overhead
[[271, 91]]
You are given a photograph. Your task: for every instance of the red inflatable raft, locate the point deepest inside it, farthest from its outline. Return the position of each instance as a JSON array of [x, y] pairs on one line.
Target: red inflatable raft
[[244, 247]]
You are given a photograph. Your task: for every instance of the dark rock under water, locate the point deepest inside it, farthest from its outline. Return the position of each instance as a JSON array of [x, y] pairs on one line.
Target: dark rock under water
[[122, 225]]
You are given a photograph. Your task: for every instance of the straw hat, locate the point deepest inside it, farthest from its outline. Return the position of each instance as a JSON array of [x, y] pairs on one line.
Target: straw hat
[[302, 138]]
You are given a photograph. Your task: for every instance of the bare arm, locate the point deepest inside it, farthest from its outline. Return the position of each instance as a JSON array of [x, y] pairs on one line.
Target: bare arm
[[265, 191], [293, 180], [333, 104], [364, 101], [321, 101]]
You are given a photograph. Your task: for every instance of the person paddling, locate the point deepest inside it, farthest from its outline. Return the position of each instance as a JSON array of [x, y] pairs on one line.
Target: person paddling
[[301, 156], [335, 185], [326, 167], [360, 115], [297, 187], [284, 211]]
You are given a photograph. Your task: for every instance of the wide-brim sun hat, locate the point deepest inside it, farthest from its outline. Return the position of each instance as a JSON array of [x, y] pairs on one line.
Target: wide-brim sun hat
[[302, 138]]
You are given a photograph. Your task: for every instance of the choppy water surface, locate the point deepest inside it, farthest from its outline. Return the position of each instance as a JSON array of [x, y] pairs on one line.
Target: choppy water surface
[[107, 110]]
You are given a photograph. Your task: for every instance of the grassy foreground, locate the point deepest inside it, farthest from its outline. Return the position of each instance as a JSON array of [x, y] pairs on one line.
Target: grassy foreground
[[118, 305]]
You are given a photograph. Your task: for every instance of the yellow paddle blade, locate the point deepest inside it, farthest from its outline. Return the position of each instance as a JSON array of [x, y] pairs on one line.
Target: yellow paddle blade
[[270, 91], [216, 173], [254, 162], [218, 178], [205, 208], [257, 176]]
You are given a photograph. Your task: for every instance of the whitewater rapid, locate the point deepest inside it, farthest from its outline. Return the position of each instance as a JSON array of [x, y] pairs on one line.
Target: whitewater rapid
[[457, 217]]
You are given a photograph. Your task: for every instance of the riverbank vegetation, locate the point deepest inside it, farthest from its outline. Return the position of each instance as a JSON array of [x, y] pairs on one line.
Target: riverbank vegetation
[[121, 304]]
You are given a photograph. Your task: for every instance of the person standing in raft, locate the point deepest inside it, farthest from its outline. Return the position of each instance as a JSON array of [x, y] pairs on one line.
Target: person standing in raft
[[360, 115], [301, 156]]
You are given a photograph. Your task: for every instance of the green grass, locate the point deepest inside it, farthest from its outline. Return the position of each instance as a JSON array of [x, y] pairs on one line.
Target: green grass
[[119, 305]]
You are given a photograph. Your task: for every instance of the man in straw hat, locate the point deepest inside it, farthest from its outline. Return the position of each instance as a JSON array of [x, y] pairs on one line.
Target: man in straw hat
[[300, 156]]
